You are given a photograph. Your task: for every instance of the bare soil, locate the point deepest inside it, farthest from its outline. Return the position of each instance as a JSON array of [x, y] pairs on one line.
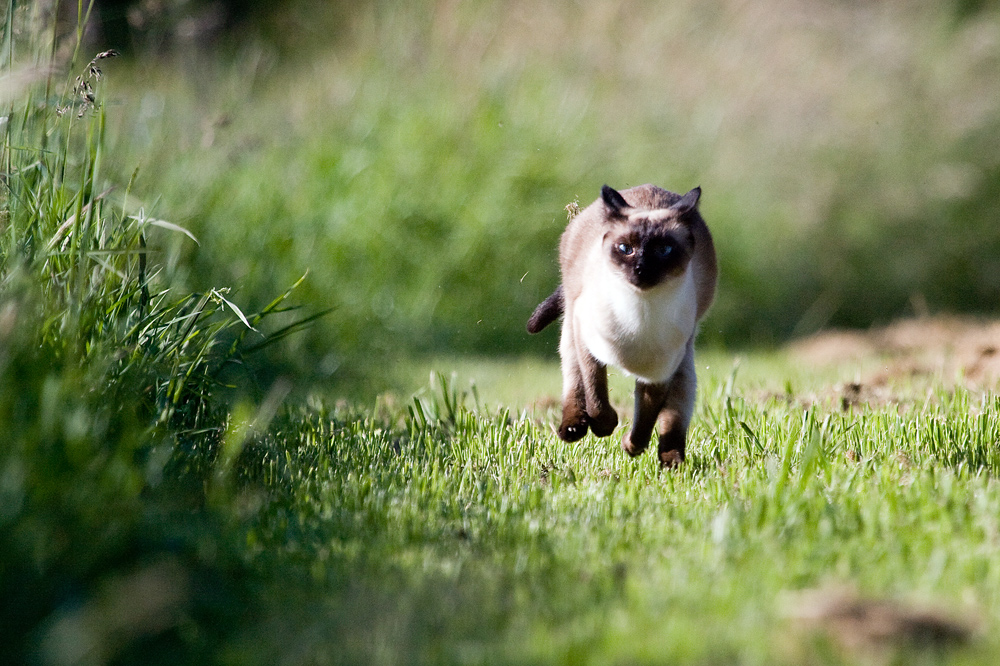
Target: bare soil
[[876, 627], [957, 350]]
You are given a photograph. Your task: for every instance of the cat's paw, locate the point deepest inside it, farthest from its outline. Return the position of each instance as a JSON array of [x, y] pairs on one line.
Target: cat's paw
[[633, 448], [671, 459], [604, 423], [572, 430], [671, 448]]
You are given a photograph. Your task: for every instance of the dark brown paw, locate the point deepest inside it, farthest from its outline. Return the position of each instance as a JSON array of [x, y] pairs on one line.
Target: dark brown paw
[[671, 459], [572, 431], [605, 424], [633, 448]]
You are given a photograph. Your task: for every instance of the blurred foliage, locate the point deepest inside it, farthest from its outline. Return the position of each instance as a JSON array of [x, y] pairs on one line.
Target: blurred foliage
[[163, 28], [114, 401], [418, 164], [419, 169]]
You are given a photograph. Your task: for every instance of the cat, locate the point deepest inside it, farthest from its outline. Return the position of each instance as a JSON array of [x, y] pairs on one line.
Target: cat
[[638, 274]]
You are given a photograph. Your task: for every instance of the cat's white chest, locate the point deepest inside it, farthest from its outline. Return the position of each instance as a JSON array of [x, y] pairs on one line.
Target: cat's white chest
[[644, 332]]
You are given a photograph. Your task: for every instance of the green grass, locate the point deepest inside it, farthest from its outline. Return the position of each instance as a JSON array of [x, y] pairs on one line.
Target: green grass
[[166, 498], [456, 536], [403, 152]]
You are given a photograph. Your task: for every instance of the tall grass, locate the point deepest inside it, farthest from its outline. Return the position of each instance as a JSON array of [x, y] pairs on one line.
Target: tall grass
[[115, 386], [147, 518]]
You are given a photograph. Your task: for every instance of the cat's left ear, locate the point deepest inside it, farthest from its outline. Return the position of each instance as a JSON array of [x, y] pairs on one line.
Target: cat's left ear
[[688, 202]]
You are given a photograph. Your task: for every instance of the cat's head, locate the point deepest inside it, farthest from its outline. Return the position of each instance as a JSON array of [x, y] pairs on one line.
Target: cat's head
[[649, 246]]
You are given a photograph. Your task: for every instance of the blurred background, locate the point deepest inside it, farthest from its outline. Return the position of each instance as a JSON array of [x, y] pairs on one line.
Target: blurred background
[[415, 159]]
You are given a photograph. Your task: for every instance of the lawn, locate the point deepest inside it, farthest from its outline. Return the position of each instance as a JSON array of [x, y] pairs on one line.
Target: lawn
[[442, 534], [452, 526], [261, 406], [476, 536]]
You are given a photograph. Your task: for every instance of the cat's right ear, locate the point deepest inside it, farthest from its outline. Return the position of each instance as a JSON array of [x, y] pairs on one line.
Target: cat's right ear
[[613, 200]]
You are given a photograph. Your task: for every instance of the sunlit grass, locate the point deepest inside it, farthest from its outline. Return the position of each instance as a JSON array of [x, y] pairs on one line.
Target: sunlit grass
[[535, 382], [161, 502], [465, 534]]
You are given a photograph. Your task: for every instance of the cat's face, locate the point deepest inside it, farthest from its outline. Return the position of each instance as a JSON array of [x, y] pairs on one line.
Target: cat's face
[[649, 246], [647, 252]]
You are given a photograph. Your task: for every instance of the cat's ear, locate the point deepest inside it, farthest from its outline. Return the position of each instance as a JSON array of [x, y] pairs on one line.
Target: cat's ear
[[688, 202], [613, 200]]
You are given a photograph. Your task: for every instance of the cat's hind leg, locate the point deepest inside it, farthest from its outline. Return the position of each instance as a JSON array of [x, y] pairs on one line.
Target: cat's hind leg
[[574, 406]]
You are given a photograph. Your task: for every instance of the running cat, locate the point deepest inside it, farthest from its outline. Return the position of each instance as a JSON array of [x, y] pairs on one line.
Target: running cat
[[638, 274]]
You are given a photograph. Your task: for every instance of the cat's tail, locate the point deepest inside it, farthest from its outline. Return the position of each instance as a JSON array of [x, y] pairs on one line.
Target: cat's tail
[[547, 311]]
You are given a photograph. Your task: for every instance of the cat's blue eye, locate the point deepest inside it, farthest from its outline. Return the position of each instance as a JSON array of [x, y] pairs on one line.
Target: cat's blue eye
[[625, 248], [663, 251]]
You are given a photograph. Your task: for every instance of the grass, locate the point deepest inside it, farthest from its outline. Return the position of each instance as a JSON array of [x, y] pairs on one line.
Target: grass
[[439, 534], [847, 155], [165, 499]]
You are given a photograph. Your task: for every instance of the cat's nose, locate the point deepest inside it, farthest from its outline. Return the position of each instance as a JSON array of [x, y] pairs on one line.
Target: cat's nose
[[643, 276]]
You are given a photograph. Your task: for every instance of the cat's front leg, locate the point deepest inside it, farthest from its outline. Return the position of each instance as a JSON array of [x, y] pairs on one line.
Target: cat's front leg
[[649, 399], [601, 416], [675, 416]]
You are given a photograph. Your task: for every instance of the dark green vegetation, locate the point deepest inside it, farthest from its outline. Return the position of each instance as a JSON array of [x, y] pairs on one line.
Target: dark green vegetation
[[416, 159], [161, 501]]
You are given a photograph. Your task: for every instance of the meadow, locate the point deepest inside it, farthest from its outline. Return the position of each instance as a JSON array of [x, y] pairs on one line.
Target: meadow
[[266, 396], [416, 159]]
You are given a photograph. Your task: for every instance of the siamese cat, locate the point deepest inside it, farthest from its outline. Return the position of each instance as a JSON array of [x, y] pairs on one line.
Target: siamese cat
[[638, 274]]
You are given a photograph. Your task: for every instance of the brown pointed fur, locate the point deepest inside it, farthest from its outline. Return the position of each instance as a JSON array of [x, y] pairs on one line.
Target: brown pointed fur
[[615, 221]]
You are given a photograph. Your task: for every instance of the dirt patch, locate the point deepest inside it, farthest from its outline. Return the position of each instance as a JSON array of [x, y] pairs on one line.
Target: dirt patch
[[954, 349], [877, 626]]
